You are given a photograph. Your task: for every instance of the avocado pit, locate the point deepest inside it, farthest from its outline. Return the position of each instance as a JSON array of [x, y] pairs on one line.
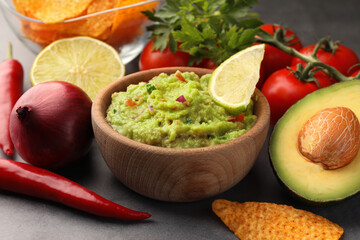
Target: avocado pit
[[330, 138]]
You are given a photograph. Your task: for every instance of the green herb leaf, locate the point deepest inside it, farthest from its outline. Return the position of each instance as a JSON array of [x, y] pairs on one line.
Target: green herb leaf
[[214, 29], [188, 120], [150, 88], [172, 44]]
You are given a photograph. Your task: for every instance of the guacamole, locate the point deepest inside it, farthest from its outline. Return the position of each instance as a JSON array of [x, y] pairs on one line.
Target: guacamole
[[175, 111]]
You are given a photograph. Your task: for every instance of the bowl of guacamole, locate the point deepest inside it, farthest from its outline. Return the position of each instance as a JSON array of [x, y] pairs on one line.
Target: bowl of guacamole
[[163, 136]]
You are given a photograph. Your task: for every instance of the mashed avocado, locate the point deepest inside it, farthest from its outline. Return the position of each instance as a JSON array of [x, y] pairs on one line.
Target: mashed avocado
[[175, 111]]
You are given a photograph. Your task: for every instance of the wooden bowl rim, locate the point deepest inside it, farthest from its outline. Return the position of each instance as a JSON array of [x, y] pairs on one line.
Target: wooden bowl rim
[[98, 116]]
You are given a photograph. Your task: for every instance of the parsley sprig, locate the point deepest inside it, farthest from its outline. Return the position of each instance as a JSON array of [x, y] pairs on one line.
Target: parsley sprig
[[213, 29]]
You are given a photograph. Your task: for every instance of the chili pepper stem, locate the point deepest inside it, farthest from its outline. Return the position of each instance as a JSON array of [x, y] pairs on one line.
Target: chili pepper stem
[[10, 54]]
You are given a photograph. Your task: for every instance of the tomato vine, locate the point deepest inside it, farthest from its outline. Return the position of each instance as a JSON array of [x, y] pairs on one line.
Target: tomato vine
[[312, 61]]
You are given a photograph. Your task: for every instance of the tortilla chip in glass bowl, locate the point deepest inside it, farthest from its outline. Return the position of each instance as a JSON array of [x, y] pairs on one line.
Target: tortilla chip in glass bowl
[[121, 23]]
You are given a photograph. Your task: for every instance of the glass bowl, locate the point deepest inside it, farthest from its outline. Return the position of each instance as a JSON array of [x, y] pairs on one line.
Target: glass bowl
[[123, 27]]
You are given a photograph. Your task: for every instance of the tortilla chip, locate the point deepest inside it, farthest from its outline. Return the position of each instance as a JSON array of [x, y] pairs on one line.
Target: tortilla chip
[[129, 15], [42, 37], [115, 27], [98, 25], [255, 221], [50, 11], [101, 25], [18, 4], [127, 23]]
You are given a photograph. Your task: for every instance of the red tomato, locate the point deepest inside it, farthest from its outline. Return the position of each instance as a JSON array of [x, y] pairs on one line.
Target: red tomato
[[131, 103], [261, 78], [354, 74], [274, 58], [206, 63], [343, 58], [238, 118], [282, 89], [156, 59]]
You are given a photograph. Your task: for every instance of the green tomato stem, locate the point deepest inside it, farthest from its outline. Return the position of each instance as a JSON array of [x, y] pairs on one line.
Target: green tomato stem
[[317, 47]]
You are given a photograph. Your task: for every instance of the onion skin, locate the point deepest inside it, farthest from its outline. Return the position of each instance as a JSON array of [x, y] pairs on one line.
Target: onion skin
[[50, 124]]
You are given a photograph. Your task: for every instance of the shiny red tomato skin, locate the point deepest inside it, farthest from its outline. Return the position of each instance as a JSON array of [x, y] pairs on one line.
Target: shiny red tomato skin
[[156, 59], [206, 63], [354, 74], [274, 58], [282, 89], [343, 59], [261, 78]]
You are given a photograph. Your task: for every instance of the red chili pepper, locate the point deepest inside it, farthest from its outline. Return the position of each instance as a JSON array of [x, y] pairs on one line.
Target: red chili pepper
[[180, 77], [11, 80], [238, 118], [37, 182]]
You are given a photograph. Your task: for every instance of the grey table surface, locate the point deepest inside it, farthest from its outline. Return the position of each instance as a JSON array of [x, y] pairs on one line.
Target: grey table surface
[[22, 217]]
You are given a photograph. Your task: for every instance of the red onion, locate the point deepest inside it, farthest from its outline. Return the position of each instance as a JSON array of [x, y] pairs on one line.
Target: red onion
[[50, 124], [181, 99], [151, 108]]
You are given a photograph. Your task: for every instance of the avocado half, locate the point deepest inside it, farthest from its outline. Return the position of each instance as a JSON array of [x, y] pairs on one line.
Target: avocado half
[[305, 179]]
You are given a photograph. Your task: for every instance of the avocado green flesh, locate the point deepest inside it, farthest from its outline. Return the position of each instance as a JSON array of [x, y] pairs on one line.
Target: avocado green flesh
[[306, 179]]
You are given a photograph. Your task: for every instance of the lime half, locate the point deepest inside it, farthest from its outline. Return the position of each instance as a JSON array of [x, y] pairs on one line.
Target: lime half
[[233, 83], [86, 62]]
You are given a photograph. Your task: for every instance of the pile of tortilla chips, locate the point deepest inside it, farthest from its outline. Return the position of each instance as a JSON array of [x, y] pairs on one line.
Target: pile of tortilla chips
[[267, 221], [115, 27]]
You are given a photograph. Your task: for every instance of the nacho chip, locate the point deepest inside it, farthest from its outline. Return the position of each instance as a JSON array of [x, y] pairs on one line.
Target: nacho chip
[[43, 37], [18, 4], [101, 25], [50, 11], [127, 23], [255, 220], [130, 16], [98, 25], [116, 27]]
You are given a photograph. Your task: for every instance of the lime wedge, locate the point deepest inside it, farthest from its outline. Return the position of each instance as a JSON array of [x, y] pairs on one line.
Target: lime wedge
[[233, 82], [86, 62]]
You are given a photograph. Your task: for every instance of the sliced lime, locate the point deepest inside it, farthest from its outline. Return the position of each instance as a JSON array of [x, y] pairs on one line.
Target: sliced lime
[[233, 83], [86, 62]]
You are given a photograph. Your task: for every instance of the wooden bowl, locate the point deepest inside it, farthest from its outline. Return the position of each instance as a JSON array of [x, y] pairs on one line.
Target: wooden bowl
[[176, 175]]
